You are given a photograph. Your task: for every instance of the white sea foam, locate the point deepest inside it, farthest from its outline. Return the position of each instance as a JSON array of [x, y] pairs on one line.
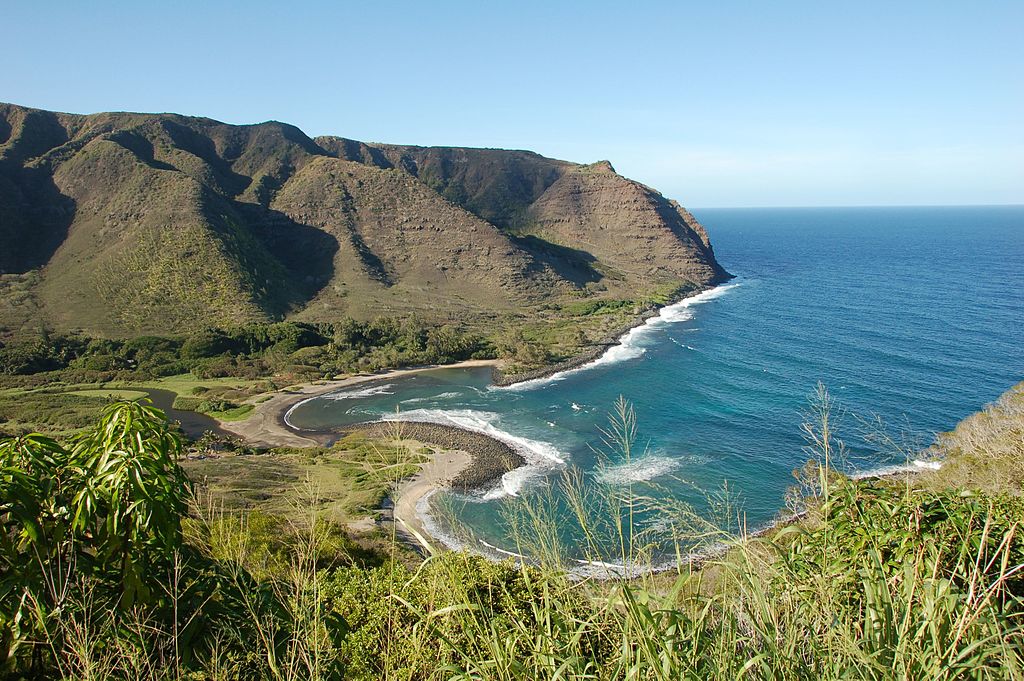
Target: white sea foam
[[638, 470], [928, 465], [502, 551], [432, 398], [288, 414], [912, 467], [682, 345], [341, 395], [583, 568], [360, 393], [539, 456], [630, 344], [425, 513]]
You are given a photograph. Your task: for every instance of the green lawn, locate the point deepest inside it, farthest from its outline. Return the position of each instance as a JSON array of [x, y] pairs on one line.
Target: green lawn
[[239, 413], [109, 393], [350, 479], [183, 384]]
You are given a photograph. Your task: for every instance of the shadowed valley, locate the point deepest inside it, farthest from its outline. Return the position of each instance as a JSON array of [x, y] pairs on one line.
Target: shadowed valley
[[121, 224]]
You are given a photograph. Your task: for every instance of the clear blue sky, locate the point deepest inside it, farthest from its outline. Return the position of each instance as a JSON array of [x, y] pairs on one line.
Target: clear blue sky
[[713, 103]]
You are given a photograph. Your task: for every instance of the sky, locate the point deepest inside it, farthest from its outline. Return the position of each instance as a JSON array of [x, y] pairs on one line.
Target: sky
[[713, 103]]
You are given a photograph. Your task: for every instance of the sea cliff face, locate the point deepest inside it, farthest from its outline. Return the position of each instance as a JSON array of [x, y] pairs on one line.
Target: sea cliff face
[[124, 224], [632, 228]]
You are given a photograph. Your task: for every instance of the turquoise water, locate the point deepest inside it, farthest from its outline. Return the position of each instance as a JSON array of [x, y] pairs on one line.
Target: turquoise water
[[914, 316]]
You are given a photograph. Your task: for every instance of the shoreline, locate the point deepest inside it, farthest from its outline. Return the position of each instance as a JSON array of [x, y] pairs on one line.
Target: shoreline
[[464, 460], [437, 473], [460, 459], [610, 340], [267, 427]]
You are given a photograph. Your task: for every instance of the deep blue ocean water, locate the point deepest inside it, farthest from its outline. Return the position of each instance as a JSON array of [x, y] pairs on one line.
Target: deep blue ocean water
[[914, 316]]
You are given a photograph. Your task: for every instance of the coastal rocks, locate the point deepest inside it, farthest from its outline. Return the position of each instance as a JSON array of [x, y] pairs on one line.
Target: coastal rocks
[[491, 458], [501, 379]]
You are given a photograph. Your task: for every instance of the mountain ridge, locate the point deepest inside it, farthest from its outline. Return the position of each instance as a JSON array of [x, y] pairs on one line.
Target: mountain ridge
[[127, 223]]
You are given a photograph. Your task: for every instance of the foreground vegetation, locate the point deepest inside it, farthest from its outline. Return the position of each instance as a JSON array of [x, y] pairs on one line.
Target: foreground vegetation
[[111, 568]]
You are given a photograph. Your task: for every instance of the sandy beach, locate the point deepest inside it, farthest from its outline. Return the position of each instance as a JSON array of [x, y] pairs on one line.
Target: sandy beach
[[438, 473], [448, 466], [266, 426]]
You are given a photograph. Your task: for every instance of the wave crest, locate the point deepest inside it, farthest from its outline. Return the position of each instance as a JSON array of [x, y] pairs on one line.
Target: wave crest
[[431, 398], [360, 393], [540, 456], [629, 345], [638, 470]]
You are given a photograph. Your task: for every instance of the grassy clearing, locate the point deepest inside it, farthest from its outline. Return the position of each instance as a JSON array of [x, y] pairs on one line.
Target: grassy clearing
[[109, 393], [352, 477], [47, 411], [60, 410], [186, 384], [238, 413]]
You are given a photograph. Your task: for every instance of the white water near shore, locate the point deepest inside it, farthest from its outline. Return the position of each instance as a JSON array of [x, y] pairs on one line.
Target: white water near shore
[[915, 466], [361, 393], [630, 345], [642, 469], [540, 456]]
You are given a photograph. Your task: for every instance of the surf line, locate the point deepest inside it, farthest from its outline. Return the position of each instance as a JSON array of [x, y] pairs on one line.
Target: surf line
[[627, 347], [539, 456]]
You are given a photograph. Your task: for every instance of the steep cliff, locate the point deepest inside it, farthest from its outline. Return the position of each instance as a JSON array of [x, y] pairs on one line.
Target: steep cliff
[[136, 223]]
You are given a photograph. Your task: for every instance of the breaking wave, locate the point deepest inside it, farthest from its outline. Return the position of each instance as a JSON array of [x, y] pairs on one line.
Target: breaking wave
[[915, 466], [629, 345], [432, 398], [638, 470], [361, 393], [341, 395], [540, 456]]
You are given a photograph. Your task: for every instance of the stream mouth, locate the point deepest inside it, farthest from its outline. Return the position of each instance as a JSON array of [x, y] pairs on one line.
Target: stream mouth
[[193, 423]]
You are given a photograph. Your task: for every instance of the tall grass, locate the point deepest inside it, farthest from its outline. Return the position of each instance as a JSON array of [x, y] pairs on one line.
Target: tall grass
[[876, 582]]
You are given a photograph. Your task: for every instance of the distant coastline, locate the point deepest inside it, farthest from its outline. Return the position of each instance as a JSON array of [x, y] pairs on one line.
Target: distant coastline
[[611, 339]]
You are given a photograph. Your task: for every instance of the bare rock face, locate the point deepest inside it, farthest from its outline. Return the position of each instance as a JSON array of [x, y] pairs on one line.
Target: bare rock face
[[626, 226], [136, 223]]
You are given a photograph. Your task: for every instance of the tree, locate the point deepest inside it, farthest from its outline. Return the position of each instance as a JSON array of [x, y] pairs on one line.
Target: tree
[[109, 507], [131, 492]]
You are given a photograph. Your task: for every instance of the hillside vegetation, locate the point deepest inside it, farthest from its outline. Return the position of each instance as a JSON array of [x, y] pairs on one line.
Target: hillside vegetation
[[58, 383], [112, 570], [123, 224]]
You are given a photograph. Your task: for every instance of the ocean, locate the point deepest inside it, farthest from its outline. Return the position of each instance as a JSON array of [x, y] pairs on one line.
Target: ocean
[[912, 318]]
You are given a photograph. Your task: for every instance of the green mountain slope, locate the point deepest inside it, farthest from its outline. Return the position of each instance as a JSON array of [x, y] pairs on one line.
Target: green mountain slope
[[124, 224]]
